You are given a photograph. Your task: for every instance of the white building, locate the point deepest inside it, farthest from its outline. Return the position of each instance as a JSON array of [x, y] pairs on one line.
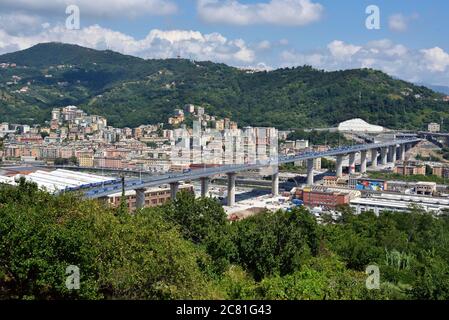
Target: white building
[[433, 127], [359, 125], [301, 144], [399, 203]]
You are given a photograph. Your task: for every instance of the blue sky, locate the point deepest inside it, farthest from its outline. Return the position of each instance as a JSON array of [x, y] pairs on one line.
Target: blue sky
[[412, 41]]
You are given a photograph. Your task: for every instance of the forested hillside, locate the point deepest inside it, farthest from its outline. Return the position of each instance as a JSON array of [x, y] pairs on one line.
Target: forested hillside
[[131, 91], [188, 250]]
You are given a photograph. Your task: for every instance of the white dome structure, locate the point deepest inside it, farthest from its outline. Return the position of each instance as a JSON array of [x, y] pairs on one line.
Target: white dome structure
[[359, 125]]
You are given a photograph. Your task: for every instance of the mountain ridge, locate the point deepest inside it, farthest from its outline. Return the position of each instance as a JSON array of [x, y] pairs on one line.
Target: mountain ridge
[[131, 91]]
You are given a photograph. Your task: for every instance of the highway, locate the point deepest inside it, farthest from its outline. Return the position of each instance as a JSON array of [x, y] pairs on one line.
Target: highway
[[154, 181]]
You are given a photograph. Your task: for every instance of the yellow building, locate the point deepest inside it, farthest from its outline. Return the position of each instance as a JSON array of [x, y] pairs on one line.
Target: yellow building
[[86, 161]]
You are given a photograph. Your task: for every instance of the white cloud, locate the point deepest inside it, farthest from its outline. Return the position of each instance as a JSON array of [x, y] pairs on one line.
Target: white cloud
[[20, 23], [274, 12], [261, 66], [111, 8], [436, 59], [264, 45], [426, 66], [157, 44], [399, 22], [341, 50]]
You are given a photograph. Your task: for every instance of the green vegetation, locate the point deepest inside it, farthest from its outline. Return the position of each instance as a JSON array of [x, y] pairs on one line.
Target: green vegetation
[[290, 167], [431, 158], [320, 137], [411, 178], [331, 165], [130, 91], [152, 145], [445, 153], [188, 250], [66, 162]]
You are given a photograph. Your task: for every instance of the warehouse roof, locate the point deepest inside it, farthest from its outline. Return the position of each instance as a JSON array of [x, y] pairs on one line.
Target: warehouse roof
[[58, 180]]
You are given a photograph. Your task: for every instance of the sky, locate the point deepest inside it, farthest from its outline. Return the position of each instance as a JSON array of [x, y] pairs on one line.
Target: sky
[[409, 39]]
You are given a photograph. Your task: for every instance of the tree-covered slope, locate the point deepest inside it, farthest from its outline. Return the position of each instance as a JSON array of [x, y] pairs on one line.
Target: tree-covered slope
[[131, 91], [187, 249]]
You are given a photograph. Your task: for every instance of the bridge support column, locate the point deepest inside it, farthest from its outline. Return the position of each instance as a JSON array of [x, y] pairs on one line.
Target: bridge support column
[[363, 161], [402, 152], [275, 184], [374, 156], [351, 163], [310, 172], [383, 156], [205, 187], [231, 189], [339, 166], [140, 198], [174, 187], [394, 155]]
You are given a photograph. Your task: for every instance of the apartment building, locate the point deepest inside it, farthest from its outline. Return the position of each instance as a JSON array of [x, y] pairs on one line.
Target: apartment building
[[153, 197]]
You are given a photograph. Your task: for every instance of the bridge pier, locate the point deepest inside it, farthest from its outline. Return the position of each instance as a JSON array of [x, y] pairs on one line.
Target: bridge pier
[[374, 156], [339, 166], [310, 172], [390, 154], [275, 184], [402, 152], [231, 189], [140, 198], [174, 187], [394, 151], [383, 156], [363, 161], [352, 163], [205, 187]]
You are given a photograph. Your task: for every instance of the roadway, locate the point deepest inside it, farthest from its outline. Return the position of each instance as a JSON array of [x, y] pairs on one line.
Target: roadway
[[171, 178]]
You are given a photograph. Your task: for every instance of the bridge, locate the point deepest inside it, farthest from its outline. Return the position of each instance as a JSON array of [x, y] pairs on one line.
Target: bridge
[[440, 139], [388, 151]]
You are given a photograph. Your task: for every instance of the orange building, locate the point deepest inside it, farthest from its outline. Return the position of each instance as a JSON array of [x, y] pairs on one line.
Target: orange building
[[409, 169], [322, 197]]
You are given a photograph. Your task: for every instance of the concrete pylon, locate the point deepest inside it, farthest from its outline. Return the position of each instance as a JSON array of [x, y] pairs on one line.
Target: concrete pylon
[[339, 166], [174, 187], [205, 187], [394, 151], [389, 155], [140, 198], [402, 152], [351, 163], [231, 189], [374, 155], [363, 161], [383, 156], [310, 172], [275, 184]]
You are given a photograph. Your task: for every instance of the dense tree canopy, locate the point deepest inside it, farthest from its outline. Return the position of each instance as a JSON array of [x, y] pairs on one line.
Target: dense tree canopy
[[188, 250], [130, 91]]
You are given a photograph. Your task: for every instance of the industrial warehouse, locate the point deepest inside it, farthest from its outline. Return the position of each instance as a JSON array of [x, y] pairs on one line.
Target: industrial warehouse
[[359, 193], [61, 180]]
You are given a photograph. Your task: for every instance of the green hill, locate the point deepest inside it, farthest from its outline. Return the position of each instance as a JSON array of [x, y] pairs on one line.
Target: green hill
[[131, 91]]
